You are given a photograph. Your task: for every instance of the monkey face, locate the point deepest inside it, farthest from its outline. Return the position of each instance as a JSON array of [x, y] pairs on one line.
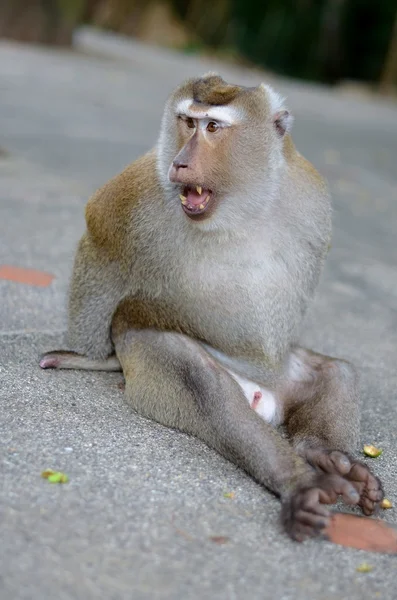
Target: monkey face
[[195, 169], [218, 145]]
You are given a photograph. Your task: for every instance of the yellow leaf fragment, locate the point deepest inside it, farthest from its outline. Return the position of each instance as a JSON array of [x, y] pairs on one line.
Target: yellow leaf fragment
[[364, 568], [386, 503], [372, 451], [55, 476], [47, 473], [229, 495]]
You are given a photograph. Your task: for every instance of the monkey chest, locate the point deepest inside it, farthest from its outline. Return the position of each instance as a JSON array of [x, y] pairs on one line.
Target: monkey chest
[[239, 310]]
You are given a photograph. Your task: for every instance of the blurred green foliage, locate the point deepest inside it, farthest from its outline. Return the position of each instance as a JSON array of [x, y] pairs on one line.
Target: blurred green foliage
[[323, 40]]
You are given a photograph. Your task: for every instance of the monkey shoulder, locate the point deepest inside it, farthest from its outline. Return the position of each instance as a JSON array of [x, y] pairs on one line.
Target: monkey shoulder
[[303, 173], [111, 210], [310, 211]]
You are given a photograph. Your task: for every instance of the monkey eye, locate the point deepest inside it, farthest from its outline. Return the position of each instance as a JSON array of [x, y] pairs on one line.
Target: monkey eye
[[190, 123], [212, 127]]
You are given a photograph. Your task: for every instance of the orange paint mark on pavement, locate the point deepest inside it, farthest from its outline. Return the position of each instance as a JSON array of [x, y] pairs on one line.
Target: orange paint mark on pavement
[[362, 533], [27, 276]]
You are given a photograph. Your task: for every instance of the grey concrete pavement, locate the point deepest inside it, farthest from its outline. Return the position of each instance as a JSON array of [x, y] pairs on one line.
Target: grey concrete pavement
[[136, 519]]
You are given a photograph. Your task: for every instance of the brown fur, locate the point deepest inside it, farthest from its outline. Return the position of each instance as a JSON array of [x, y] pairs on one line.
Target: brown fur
[[213, 90], [111, 208]]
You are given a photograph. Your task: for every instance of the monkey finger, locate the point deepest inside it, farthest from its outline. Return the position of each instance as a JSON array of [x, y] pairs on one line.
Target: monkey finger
[[312, 519], [333, 486], [360, 473], [312, 504], [368, 486], [373, 495], [301, 532], [368, 505], [368, 508]]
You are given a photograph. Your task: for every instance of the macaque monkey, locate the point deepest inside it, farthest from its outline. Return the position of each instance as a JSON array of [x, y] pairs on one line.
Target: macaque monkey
[[193, 277]]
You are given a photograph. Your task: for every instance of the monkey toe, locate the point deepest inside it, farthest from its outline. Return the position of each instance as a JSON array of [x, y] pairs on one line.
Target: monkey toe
[[368, 486], [328, 461]]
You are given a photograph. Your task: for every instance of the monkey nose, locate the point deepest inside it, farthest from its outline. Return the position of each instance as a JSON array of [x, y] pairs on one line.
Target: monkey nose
[[179, 164]]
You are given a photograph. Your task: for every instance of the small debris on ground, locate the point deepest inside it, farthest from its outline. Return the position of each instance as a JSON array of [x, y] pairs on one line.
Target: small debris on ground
[[55, 476], [372, 451], [364, 568], [229, 495], [220, 539], [386, 503]]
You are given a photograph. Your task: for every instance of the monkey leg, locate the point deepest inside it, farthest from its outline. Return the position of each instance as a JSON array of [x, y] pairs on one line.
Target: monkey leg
[[171, 379], [321, 414]]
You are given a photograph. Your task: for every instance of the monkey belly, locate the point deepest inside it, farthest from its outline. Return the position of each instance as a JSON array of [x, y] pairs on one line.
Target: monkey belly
[[243, 354], [133, 313]]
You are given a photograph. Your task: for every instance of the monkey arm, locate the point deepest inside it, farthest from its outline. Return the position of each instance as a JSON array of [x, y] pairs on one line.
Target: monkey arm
[[102, 268], [96, 288]]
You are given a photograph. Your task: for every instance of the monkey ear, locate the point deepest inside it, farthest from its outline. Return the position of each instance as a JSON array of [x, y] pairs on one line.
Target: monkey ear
[[283, 122]]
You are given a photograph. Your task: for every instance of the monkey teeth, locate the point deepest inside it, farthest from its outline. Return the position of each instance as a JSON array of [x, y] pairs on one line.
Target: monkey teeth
[[194, 208], [195, 200]]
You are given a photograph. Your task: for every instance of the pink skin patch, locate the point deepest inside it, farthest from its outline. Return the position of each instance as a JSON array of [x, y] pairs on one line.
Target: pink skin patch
[[49, 362], [26, 276], [256, 400]]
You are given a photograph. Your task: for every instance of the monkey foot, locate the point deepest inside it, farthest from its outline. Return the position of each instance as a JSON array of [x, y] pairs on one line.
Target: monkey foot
[[303, 512], [358, 474]]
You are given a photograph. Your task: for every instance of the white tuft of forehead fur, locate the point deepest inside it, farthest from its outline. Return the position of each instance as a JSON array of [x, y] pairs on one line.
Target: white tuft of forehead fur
[[226, 114], [275, 99]]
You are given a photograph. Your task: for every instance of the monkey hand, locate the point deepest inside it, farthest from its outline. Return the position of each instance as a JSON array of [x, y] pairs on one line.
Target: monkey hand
[[303, 512]]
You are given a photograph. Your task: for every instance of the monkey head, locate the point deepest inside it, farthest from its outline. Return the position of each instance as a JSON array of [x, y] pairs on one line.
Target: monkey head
[[220, 150]]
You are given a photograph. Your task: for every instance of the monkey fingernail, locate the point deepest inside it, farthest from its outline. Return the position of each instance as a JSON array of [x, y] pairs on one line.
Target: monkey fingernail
[[354, 495]]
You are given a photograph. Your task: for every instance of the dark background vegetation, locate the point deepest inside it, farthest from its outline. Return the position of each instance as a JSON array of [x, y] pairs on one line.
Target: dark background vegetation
[[321, 40]]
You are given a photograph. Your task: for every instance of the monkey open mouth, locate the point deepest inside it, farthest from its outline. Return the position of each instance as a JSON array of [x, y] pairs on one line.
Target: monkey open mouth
[[195, 199]]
